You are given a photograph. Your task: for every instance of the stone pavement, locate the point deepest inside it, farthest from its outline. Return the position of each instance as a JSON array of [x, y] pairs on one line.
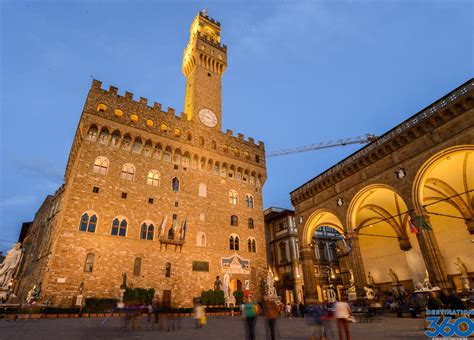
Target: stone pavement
[[218, 327]]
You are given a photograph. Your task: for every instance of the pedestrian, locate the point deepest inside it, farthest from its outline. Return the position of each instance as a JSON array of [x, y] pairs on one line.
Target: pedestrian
[[301, 309], [271, 314], [288, 310], [199, 315], [156, 314], [149, 312], [315, 319], [343, 314], [251, 311]]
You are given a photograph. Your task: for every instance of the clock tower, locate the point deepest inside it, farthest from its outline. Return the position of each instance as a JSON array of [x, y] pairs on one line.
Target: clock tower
[[204, 63]]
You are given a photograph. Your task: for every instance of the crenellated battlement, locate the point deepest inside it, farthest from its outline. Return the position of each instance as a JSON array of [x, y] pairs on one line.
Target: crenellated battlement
[[205, 15], [144, 112]]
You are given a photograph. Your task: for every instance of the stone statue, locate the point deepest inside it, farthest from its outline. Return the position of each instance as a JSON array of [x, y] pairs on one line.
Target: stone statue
[[370, 280], [9, 265], [34, 294], [217, 284], [124, 281], [461, 267], [81, 287], [271, 291], [369, 293], [393, 276], [426, 282], [226, 283], [351, 279]]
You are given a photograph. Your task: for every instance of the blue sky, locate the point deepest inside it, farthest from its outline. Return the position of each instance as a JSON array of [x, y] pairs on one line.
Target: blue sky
[[299, 72]]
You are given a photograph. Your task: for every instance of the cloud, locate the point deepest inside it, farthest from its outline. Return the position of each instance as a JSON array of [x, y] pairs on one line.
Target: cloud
[[40, 168]]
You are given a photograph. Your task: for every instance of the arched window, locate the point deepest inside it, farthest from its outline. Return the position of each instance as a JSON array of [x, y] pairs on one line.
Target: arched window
[[214, 144], [147, 231], [201, 141], [251, 245], [137, 145], [233, 197], [153, 178], [175, 184], [115, 141], [92, 133], [128, 172], [234, 220], [101, 165], [137, 266], [89, 263], [201, 239], [104, 136], [234, 242], [147, 149], [202, 190], [119, 227], [249, 201], [127, 142], [88, 223], [250, 223], [189, 137]]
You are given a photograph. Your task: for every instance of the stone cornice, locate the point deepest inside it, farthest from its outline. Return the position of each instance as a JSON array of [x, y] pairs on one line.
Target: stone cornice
[[453, 104]]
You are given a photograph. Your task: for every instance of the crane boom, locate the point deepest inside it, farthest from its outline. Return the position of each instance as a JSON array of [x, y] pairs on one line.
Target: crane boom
[[367, 138]]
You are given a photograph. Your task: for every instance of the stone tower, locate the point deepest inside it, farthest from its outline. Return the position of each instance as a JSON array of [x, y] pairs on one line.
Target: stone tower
[[204, 63]]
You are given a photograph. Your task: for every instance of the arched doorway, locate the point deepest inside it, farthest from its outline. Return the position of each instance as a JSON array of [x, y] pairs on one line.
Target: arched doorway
[[323, 269], [379, 217], [443, 193]]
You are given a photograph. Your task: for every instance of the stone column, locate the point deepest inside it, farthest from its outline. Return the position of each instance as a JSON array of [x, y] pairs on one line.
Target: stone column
[[356, 263], [430, 251], [470, 226], [309, 276]]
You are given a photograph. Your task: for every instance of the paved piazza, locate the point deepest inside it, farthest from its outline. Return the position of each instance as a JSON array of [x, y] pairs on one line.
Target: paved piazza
[[217, 328]]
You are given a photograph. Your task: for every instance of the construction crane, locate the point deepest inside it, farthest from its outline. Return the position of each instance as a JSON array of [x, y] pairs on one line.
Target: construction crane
[[367, 138]]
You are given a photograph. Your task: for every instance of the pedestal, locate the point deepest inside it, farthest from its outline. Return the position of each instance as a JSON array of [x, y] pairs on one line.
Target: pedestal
[[230, 302], [398, 288], [120, 304]]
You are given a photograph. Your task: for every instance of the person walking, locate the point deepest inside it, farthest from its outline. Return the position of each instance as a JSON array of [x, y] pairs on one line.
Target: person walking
[[288, 310], [271, 313], [301, 309], [343, 313], [199, 315], [251, 311]]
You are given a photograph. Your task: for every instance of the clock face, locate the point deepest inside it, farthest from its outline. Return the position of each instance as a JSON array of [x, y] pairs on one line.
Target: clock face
[[208, 117]]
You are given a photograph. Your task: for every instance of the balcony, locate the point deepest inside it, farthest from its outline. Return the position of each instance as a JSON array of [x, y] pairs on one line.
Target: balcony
[[177, 242]]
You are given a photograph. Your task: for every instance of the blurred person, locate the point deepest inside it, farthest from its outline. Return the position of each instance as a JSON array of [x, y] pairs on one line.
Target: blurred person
[[199, 315], [315, 320], [271, 313], [342, 314], [301, 309], [251, 311], [288, 310]]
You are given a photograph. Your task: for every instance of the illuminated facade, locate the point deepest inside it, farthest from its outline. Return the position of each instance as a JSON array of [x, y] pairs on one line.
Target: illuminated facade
[[170, 200], [403, 202]]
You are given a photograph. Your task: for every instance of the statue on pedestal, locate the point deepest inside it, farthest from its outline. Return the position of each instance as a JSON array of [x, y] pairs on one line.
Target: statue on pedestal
[[370, 280], [226, 284], [464, 273], [461, 267], [271, 291], [393, 276], [9, 265]]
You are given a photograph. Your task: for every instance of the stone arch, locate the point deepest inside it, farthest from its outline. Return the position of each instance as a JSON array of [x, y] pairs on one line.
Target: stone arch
[[320, 217], [379, 218], [443, 196]]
